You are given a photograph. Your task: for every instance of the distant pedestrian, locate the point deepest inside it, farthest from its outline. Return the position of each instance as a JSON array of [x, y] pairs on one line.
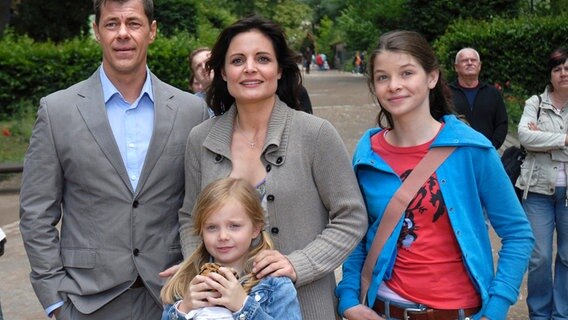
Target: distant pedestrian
[[308, 58], [357, 62]]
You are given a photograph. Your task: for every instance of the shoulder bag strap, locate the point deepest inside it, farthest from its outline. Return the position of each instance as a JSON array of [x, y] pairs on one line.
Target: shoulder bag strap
[[531, 167], [396, 206]]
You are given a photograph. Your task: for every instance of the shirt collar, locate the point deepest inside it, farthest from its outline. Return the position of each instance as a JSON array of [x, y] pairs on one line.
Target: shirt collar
[[109, 90]]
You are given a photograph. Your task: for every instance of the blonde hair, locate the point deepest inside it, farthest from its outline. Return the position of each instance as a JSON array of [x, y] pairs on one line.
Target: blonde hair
[[211, 199]]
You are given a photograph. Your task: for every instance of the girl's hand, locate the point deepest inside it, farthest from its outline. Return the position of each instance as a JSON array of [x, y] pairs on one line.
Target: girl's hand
[[197, 295], [232, 295], [273, 263], [361, 312]]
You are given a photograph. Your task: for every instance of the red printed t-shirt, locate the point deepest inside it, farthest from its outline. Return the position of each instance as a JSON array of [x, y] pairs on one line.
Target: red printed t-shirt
[[428, 267]]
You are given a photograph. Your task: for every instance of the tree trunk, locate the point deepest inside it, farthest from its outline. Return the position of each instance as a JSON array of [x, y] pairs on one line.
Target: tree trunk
[[4, 14]]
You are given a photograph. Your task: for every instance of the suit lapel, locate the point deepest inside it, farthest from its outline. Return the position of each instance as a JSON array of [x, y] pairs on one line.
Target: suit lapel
[[164, 115], [93, 111]]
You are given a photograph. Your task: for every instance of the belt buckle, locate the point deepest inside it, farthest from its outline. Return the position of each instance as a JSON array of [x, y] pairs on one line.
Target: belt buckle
[[407, 310]]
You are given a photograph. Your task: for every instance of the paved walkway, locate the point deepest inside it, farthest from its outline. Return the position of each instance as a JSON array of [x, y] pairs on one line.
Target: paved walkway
[[342, 98]]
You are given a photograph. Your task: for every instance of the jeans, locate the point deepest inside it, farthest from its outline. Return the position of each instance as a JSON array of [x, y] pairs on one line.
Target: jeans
[[547, 294]]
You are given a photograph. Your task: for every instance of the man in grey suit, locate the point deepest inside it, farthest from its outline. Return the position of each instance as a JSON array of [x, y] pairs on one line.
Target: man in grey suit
[[106, 162]]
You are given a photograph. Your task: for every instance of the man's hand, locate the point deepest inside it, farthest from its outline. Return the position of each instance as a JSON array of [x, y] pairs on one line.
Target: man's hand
[[273, 263], [56, 312], [361, 312], [169, 271]]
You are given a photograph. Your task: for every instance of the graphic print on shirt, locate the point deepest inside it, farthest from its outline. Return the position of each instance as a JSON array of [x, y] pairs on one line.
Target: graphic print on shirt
[[427, 200]]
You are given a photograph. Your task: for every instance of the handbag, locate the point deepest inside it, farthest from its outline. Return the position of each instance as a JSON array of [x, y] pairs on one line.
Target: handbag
[[513, 158], [396, 207]]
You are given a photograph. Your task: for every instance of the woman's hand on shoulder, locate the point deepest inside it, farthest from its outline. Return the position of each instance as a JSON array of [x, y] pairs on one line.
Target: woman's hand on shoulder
[[361, 312], [231, 293], [197, 294], [273, 263]]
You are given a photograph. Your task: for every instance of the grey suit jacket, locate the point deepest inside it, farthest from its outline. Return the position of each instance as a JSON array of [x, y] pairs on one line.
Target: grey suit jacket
[[74, 175]]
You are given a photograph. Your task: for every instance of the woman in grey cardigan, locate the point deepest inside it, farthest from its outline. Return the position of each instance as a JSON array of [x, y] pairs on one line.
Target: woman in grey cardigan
[[298, 162]]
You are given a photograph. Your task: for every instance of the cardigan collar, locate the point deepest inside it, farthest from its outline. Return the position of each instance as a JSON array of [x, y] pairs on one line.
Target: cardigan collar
[[219, 138]]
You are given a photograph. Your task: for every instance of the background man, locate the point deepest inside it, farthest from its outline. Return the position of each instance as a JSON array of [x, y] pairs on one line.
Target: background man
[[480, 103], [197, 60], [106, 161]]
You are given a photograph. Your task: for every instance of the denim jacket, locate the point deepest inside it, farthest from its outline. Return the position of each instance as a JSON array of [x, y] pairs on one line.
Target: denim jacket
[[271, 298]]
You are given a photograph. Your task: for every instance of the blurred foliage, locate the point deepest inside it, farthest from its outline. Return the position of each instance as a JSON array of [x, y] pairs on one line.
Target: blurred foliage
[[55, 20], [30, 70], [363, 21], [16, 132], [514, 38], [175, 16], [431, 18]]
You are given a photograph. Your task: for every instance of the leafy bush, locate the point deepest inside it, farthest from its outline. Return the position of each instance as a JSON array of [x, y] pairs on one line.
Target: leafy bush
[[175, 16], [431, 18], [513, 51], [30, 70], [54, 20]]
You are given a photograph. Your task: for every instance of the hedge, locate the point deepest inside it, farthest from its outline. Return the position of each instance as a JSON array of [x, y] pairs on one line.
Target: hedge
[[30, 70], [514, 52]]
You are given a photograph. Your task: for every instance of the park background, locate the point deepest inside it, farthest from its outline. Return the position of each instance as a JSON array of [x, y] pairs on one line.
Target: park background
[[47, 45]]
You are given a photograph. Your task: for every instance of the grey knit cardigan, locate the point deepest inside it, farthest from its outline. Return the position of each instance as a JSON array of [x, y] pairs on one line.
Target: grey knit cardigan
[[316, 211]]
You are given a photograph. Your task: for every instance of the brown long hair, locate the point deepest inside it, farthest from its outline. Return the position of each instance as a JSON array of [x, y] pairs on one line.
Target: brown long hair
[[414, 44], [211, 199]]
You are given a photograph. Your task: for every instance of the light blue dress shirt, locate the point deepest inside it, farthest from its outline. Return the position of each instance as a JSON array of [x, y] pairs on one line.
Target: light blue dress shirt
[[132, 126]]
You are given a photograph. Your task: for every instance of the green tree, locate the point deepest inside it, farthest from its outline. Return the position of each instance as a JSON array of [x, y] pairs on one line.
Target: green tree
[[174, 16], [295, 18], [55, 20], [431, 18], [363, 21], [327, 35]]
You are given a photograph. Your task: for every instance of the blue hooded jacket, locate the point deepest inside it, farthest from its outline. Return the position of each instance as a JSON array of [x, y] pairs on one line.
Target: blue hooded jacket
[[471, 179]]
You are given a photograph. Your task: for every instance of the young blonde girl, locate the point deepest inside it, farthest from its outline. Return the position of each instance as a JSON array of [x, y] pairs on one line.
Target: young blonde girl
[[230, 220]]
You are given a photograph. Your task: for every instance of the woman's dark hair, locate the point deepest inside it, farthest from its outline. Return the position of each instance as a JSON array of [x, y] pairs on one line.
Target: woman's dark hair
[[414, 44], [218, 97], [557, 57]]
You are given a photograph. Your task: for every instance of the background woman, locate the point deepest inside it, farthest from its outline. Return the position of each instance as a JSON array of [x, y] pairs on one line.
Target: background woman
[[297, 162], [543, 133], [438, 261]]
